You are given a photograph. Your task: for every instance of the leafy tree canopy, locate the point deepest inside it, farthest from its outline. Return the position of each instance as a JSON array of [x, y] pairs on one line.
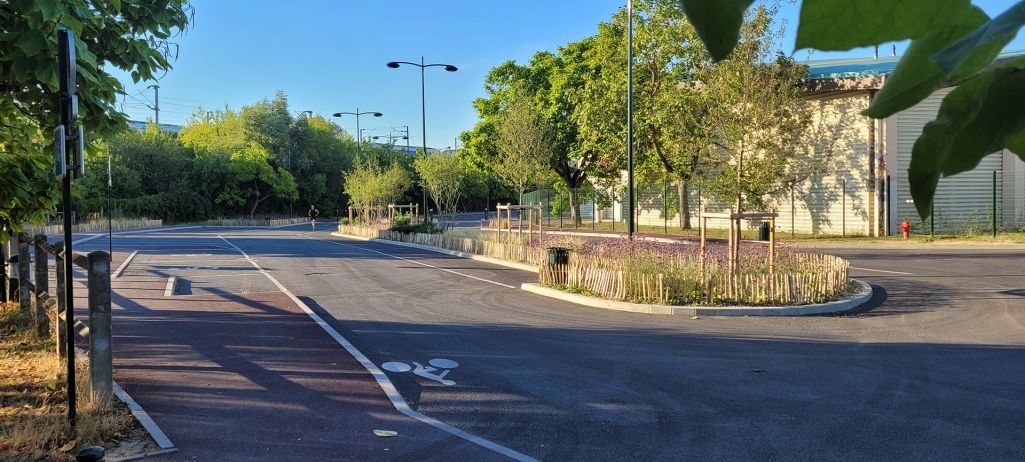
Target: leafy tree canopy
[[952, 43], [131, 35]]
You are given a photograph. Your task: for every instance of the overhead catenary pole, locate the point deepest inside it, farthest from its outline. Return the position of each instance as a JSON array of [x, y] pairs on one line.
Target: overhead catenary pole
[[156, 103]]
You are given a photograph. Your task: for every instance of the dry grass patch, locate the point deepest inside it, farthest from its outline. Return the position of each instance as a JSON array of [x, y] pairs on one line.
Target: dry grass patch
[[33, 399]]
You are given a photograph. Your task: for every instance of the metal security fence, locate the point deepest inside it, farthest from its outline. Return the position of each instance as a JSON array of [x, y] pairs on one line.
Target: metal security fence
[[980, 202]]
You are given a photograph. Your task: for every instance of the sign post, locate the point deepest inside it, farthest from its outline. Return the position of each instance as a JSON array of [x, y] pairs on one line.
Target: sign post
[[69, 159]]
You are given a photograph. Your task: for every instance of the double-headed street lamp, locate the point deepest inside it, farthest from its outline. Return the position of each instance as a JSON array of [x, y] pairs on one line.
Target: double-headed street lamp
[[423, 99], [358, 134]]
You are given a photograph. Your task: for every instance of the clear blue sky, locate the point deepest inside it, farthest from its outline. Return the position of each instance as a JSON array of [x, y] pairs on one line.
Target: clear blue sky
[[330, 56]]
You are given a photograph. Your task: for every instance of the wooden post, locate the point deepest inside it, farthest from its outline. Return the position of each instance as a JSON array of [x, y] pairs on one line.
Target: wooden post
[[519, 223], [62, 317], [530, 226], [24, 273], [703, 231], [101, 364], [350, 216], [508, 219], [42, 285], [416, 213], [540, 223]]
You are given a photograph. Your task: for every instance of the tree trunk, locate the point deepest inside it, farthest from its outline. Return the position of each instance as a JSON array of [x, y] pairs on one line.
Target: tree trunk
[[252, 211], [684, 206], [574, 208]]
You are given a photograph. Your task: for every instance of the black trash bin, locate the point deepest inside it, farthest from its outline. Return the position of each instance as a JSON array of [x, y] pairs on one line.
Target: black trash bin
[[763, 231], [558, 258]]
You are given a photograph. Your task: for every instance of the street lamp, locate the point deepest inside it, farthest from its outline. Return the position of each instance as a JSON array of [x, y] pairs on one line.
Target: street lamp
[[423, 100], [358, 134], [630, 117]]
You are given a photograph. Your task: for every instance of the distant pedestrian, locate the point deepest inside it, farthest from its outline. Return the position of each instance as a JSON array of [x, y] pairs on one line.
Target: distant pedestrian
[[313, 213], [905, 228]]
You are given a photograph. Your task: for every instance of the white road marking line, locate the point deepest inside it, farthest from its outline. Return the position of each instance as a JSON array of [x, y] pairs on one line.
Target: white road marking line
[[881, 271], [120, 269], [169, 289], [382, 379], [87, 239], [417, 262]]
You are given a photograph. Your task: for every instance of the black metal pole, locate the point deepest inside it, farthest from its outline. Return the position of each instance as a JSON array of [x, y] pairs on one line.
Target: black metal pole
[[66, 54], [423, 121], [888, 201], [994, 203], [629, 116], [110, 209]]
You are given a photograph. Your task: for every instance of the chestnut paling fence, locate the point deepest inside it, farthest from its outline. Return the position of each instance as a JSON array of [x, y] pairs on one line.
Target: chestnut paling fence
[[814, 278], [800, 278], [504, 250]]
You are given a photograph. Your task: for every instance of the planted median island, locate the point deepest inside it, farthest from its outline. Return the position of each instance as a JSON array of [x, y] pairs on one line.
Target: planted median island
[[644, 271]]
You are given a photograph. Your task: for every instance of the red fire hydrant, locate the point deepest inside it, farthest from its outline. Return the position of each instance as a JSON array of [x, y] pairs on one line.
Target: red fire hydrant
[[905, 228]]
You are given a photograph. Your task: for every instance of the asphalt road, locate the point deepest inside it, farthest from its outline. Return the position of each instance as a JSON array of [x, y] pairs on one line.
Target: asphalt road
[[933, 369]]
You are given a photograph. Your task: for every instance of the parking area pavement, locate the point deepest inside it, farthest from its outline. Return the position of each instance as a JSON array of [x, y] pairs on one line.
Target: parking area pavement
[[231, 369]]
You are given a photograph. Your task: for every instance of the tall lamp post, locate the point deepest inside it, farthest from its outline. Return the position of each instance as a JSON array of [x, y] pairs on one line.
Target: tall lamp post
[[631, 226], [423, 101], [358, 134]]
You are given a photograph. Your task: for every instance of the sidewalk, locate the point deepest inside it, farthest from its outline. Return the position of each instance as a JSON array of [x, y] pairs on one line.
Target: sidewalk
[[251, 377]]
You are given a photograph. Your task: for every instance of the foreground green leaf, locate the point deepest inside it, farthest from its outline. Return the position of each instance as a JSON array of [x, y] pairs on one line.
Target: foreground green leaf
[[717, 22], [916, 75], [961, 60], [844, 24], [980, 117]]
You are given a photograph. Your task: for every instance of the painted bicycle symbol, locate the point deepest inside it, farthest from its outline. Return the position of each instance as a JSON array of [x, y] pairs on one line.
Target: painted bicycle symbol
[[428, 372]]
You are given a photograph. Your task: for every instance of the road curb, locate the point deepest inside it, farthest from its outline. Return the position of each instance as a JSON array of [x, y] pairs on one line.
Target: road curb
[[863, 294], [471, 256], [145, 420]]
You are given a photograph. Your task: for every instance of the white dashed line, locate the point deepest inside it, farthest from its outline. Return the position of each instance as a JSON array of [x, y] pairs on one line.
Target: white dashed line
[[416, 262], [881, 271]]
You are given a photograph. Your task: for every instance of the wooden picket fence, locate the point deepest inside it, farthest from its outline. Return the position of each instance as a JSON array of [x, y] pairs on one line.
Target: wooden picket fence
[[802, 278], [823, 277], [93, 226], [503, 250]]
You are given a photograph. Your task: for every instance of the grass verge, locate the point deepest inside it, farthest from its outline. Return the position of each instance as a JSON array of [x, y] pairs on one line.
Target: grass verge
[[33, 399]]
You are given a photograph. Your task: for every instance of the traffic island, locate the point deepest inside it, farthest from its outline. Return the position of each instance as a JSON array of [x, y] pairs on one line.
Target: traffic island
[[861, 295]]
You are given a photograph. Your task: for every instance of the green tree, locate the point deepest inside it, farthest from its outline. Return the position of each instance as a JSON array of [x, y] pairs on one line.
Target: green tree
[[371, 187], [670, 142], [445, 176], [760, 121], [131, 36], [238, 171], [524, 144], [952, 43]]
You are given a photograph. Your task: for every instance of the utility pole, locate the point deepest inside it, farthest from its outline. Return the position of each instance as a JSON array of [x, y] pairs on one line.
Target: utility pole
[[156, 103]]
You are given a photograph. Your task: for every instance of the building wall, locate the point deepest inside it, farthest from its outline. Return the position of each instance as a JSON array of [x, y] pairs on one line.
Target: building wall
[[961, 201], [841, 200]]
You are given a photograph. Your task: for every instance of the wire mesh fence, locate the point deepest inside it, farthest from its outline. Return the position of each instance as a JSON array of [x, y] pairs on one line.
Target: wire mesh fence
[[979, 202]]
